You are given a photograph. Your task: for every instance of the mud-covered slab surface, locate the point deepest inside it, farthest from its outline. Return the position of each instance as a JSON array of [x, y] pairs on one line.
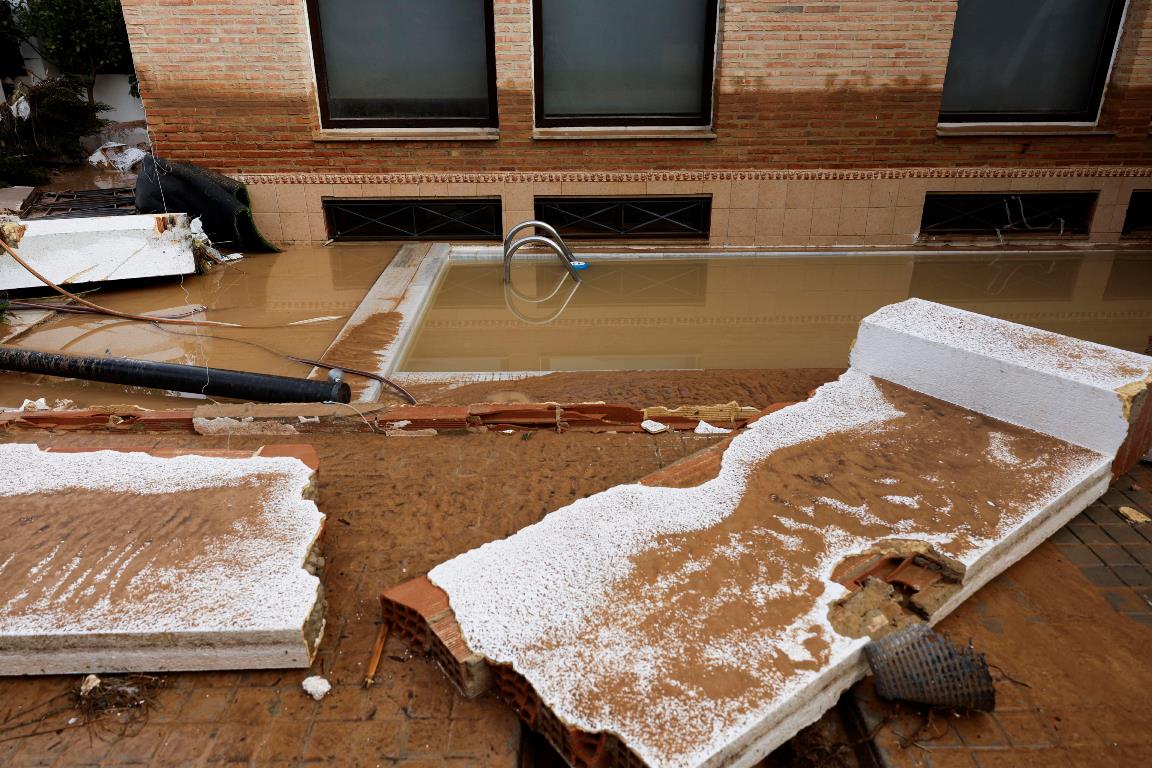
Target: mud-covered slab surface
[[691, 621], [129, 561]]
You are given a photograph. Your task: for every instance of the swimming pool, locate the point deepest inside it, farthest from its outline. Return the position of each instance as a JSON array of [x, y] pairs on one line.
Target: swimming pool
[[677, 311]]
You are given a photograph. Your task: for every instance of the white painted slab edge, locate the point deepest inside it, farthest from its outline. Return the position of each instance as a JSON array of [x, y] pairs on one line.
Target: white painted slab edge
[[100, 249], [977, 370]]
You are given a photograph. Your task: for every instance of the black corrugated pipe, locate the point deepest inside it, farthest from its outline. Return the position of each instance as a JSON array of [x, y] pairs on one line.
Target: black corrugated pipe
[[217, 382]]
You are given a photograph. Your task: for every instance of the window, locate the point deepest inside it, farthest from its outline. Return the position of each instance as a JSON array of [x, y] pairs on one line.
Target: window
[[1138, 218], [624, 62], [1046, 214], [614, 218], [404, 63], [1030, 60], [420, 219]]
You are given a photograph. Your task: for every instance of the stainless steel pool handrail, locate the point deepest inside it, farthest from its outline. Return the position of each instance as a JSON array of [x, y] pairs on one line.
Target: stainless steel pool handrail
[[547, 229], [536, 240]]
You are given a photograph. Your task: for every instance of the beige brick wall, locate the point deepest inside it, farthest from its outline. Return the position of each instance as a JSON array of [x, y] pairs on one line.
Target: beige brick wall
[[768, 212], [813, 89]]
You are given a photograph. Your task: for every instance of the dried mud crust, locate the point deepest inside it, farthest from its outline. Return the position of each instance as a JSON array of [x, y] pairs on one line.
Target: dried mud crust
[[641, 389]]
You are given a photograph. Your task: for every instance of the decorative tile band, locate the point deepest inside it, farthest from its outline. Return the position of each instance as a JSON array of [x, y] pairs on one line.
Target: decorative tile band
[[532, 177]]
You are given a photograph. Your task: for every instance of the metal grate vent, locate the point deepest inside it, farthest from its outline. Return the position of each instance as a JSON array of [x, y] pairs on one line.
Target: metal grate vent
[[614, 218], [424, 219], [1036, 214]]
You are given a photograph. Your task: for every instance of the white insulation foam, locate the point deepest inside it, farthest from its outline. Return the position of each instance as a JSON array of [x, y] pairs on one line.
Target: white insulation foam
[[249, 578]]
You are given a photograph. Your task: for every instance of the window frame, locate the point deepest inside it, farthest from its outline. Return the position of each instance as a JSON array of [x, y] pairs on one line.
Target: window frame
[[704, 119], [1105, 63], [930, 230], [320, 76]]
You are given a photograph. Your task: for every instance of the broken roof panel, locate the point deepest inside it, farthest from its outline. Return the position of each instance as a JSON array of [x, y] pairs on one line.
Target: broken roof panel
[[704, 626]]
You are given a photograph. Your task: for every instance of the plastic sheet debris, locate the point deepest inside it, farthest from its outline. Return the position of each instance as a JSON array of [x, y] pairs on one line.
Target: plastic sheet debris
[[112, 154], [919, 665], [89, 684], [21, 108]]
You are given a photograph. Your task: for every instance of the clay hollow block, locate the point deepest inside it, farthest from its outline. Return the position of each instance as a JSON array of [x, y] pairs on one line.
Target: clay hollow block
[[125, 561], [678, 627]]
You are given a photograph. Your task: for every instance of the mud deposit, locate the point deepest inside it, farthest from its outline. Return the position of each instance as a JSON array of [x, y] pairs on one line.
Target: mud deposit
[[757, 388]]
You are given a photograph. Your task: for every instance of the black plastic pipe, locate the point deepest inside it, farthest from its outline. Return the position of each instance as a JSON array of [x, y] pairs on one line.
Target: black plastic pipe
[[216, 382]]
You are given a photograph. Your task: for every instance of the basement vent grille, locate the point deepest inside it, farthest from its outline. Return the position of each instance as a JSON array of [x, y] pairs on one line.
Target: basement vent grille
[[616, 218], [1024, 214], [423, 219], [1138, 220]]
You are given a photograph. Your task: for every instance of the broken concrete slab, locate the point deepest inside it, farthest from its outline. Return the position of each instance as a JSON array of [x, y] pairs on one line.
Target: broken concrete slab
[[170, 560], [99, 249], [704, 626]]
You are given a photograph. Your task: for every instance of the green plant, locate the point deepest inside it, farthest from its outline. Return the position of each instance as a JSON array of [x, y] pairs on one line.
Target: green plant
[[83, 38], [58, 116]]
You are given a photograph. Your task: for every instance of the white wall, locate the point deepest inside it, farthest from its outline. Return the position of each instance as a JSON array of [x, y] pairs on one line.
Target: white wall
[[113, 90]]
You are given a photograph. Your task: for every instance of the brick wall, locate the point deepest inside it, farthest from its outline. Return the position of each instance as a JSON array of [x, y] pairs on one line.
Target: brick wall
[[800, 85], [806, 91]]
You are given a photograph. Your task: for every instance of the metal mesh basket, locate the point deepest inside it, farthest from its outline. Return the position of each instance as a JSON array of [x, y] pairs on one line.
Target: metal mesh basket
[[919, 665]]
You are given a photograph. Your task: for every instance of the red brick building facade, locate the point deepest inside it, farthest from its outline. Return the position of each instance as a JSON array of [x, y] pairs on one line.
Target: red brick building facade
[[825, 125]]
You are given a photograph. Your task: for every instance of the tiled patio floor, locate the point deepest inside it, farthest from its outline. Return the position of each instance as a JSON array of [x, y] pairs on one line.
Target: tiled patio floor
[[1068, 629], [398, 506]]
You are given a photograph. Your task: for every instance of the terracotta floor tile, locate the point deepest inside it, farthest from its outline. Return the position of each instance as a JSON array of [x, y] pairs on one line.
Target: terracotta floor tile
[[375, 740], [281, 741]]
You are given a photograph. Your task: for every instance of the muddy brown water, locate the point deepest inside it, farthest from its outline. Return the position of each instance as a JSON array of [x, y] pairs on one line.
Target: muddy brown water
[[785, 315], [264, 292], [758, 313]]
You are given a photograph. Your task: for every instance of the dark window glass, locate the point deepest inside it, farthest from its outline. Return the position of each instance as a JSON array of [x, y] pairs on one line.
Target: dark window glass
[[1138, 219], [635, 217], [404, 62], [426, 219], [1029, 60], [1043, 214], [615, 62]]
